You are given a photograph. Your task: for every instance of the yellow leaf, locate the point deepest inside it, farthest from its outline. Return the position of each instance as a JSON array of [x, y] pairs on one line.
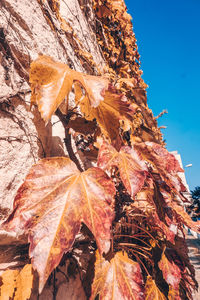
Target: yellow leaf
[[108, 113], [17, 284], [173, 294], [152, 292], [24, 282], [9, 284], [51, 82]]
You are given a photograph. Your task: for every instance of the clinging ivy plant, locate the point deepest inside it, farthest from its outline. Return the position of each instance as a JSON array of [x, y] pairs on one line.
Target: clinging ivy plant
[[125, 195], [129, 197]]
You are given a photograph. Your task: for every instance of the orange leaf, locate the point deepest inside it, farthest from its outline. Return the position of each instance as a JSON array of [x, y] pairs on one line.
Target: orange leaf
[[9, 284], [24, 282], [185, 218], [118, 279], [132, 169], [17, 283], [52, 81], [83, 126], [51, 204], [152, 292], [108, 113], [173, 294], [171, 272], [158, 154]]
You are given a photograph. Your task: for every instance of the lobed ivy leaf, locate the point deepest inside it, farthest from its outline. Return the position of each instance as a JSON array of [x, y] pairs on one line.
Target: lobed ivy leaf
[[51, 204], [109, 112], [51, 82], [152, 292], [132, 169], [168, 160], [119, 278]]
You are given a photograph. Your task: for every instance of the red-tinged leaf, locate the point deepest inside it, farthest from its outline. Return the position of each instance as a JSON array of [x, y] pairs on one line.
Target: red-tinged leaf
[[152, 292], [120, 278], [168, 160], [145, 202], [51, 204], [132, 169], [173, 294], [169, 232], [185, 218], [171, 272], [165, 163]]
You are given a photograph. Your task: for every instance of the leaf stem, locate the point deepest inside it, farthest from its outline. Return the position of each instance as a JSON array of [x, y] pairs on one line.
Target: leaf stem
[[65, 120], [70, 151]]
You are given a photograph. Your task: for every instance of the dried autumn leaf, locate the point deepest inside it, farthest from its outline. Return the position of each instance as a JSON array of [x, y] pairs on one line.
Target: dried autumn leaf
[[171, 272], [165, 163], [169, 232], [118, 279], [51, 204], [173, 294], [152, 292], [163, 158], [17, 284], [132, 169], [145, 201], [139, 95], [83, 126], [8, 284], [52, 81], [108, 113], [185, 218]]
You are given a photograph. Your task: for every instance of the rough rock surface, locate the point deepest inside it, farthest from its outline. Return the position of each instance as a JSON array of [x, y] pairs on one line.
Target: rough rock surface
[[27, 29]]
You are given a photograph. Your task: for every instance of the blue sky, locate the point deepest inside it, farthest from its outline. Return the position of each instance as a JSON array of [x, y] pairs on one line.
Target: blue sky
[[168, 35]]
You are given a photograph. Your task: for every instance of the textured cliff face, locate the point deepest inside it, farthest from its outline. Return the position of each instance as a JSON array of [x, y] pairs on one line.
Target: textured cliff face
[[29, 28]]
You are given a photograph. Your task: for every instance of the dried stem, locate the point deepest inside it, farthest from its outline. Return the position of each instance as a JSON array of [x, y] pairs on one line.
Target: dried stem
[[65, 120]]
